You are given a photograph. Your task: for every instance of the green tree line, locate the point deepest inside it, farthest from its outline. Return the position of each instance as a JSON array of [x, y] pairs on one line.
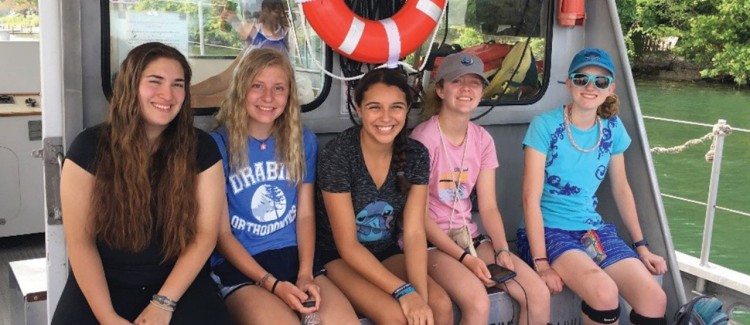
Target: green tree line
[[713, 34]]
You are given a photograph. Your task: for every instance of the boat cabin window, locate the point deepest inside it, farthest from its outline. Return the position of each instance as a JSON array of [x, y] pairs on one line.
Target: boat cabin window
[[213, 34], [510, 36]]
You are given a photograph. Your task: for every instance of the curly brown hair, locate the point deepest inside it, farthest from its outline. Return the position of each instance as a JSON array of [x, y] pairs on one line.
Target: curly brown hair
[[610, 107], [139, 196]]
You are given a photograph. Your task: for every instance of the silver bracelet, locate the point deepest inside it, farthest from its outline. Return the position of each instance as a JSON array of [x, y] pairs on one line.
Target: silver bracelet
[[500, 251], [162, 307], [164, 301]]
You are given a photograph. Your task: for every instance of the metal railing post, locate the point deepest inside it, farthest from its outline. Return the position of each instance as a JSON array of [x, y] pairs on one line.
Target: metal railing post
[[713, 190]]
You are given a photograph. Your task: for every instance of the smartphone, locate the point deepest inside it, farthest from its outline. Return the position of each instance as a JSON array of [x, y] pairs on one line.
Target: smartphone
[[500, 274]]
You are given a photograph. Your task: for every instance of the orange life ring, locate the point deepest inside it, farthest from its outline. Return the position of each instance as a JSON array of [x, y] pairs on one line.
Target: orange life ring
[[371, 41]]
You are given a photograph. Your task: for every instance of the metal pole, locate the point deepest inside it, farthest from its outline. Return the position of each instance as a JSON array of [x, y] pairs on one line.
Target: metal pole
[[200, 27], [713, 189]]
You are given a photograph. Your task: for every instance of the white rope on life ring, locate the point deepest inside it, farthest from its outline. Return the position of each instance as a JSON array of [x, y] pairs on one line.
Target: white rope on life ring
[[365, 39]]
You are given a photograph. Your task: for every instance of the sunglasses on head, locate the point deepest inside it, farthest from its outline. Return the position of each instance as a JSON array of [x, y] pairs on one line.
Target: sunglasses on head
[[579, 79]]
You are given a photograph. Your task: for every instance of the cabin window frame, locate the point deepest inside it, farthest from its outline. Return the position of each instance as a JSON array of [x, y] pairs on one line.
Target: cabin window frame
[[107, 69]]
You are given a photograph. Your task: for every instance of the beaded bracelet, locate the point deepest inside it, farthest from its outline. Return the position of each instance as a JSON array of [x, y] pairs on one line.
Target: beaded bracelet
[[263, 280], [403, 290]]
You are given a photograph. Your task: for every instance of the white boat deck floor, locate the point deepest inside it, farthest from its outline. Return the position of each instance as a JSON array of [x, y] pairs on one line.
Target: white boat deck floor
[[15, 248]]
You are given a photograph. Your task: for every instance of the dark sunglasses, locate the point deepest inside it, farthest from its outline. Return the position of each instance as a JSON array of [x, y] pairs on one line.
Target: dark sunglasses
[[582, 79]]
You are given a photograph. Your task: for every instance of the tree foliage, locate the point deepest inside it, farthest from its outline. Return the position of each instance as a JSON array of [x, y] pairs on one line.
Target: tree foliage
[[212, 23], [19, 6], [19, 15], [714, 34], [718, 40]]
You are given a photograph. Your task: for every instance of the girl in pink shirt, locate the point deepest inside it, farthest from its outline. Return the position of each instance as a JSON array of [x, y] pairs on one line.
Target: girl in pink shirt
[[462, 155]]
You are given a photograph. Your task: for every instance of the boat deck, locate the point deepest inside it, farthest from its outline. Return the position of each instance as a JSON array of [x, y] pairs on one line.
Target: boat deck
[[15, 248]]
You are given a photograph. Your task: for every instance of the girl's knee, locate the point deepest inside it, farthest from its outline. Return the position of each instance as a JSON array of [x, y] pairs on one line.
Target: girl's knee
[[442, 308], [396, 318], [539, 297], [658, 298], [479, 305], [538, 292], [602, 294], [656, 301]]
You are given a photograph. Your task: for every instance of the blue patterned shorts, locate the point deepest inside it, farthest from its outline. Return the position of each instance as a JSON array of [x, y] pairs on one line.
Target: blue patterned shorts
[[559, 241]]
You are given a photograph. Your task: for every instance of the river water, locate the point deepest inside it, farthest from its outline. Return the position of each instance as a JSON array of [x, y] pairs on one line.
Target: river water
[[687, 174]]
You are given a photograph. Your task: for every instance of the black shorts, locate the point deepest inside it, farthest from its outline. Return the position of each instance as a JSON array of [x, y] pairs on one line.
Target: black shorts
[[282, 263], [328, 255], [200, 304]]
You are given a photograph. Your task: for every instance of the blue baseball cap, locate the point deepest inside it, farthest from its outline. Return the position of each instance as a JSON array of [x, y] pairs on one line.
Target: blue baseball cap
[[592, 56], [458, 64]]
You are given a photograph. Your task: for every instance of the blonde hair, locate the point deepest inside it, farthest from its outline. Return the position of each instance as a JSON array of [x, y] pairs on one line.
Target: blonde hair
[[287, 128]]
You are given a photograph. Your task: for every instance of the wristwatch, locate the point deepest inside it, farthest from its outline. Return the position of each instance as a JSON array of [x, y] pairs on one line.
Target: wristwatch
[[642, 242]]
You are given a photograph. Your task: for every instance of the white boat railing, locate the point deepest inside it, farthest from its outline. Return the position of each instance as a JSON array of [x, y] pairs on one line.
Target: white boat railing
[[701, 268]]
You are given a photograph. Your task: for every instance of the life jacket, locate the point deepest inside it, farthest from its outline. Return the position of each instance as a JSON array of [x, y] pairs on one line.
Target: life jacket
[[518, 69]]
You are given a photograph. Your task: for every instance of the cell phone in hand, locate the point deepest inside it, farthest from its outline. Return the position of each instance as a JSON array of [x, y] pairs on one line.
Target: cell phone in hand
[[500, 274], [308, 304]]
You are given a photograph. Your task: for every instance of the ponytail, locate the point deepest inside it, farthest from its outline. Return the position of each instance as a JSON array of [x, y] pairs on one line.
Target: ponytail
[[432, 102], [610, 107]]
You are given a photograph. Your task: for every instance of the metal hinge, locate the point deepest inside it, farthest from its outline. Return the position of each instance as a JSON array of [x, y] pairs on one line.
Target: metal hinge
[[52, 154]]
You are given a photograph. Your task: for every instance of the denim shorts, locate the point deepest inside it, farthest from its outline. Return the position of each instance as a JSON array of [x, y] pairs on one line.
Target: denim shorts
[[558, 241], [282, 263]]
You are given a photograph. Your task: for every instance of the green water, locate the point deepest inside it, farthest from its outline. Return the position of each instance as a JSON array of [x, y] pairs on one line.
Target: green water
[[687, 174]]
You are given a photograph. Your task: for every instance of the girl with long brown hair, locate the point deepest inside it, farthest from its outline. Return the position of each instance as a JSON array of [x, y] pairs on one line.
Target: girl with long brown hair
[[141, 197]]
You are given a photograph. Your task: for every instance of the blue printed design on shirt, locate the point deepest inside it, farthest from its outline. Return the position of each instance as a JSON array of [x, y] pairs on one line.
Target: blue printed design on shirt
[[374, 222], [566, 189], [557, 136], [268, 203], [600, 172], [594, 223], [606, 146]]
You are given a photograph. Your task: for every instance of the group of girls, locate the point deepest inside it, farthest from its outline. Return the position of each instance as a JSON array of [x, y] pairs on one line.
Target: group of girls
[[378, 223]]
